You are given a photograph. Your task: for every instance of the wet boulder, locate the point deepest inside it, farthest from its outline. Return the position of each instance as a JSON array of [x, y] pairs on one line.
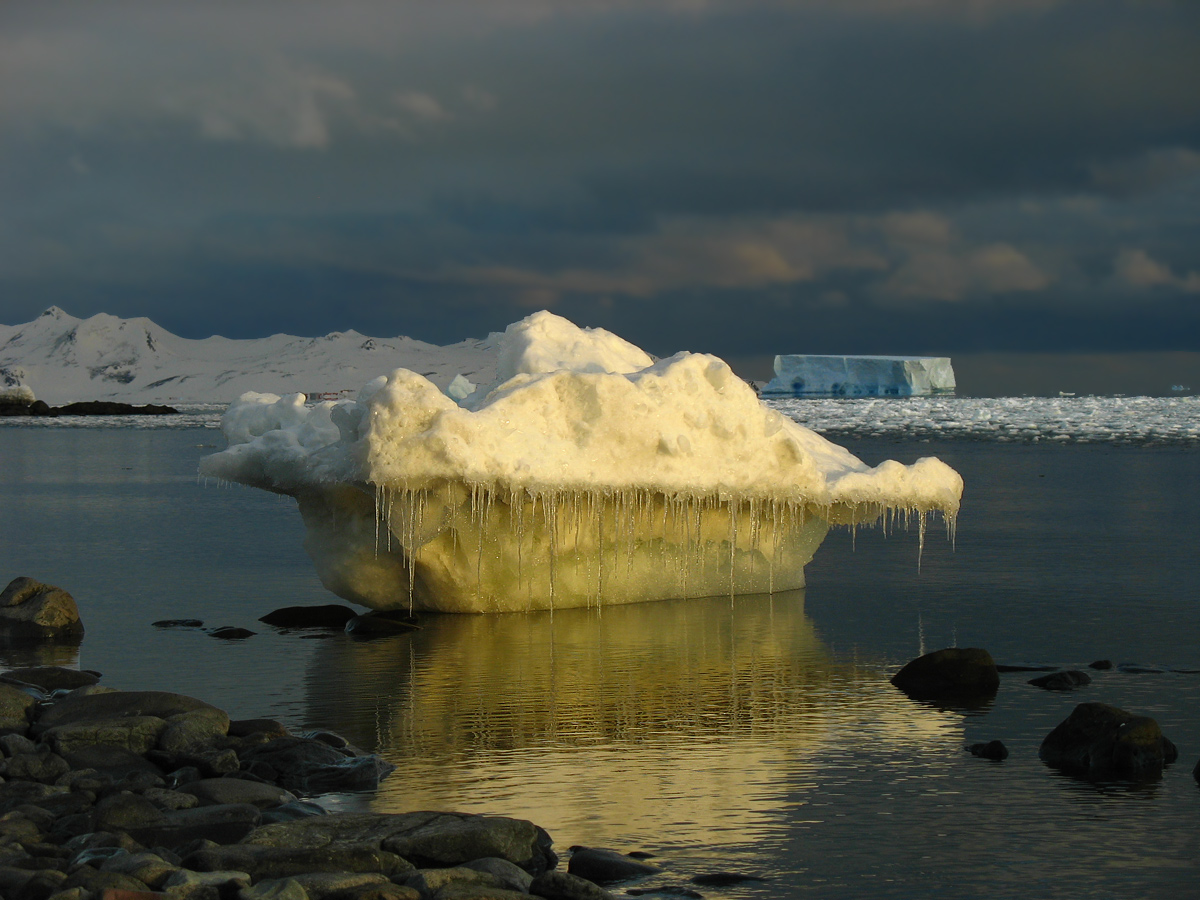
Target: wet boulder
[[51, 678], [1098, 741], [263, 861], [428, 839], [606, 866], [30, 609], [957, 676], [311, 766], [16, 707]]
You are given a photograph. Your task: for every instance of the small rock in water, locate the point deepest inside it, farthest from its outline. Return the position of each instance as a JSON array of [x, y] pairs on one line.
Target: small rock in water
[[991, 750], [230, 633], [1101, 741], [329, 615], [1101, 664], [178, 623], [606, 866], [1138, 669], [1062, 681], [958, 676]]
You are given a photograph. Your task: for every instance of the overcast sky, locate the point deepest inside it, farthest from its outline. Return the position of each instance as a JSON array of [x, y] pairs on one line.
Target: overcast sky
[[745, 177]]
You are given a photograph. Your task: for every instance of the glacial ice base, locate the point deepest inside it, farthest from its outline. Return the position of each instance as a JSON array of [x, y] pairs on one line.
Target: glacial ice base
[[475, 548]]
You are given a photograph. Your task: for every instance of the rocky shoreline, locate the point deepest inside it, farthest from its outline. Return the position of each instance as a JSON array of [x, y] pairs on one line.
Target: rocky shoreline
[[122, 795]]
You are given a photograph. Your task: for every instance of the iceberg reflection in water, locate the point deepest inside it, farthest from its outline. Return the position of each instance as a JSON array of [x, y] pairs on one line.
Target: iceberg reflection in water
[[680, 721]]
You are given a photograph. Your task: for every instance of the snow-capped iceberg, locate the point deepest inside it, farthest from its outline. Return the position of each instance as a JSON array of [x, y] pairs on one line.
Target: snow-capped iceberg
[[860, 376], [587, 474]]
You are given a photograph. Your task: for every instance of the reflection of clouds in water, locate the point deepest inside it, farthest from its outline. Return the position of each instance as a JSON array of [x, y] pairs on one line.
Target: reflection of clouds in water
[[672, 722]]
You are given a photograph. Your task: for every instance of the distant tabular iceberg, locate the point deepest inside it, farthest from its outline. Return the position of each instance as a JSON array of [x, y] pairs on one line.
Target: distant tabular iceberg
[[860, 376]]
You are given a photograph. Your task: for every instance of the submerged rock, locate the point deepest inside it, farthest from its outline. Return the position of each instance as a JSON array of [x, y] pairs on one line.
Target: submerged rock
[[1099, 741], [994, 750], [961, 676], [1062, 681], [231, 633], [381, 622], [34, 610]]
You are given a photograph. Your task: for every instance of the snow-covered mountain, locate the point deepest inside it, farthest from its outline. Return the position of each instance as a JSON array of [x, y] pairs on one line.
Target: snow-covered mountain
[[65, 359]]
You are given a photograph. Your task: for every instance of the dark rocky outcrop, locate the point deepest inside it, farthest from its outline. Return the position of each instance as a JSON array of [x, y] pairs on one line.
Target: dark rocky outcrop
[[111, 408], [955, 676], [84, 408], [1098, 741], [1062, 681], [606, 866], [1101, 664], [36, 611]]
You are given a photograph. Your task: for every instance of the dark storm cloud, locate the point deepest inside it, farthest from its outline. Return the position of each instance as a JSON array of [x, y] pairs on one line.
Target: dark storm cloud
[[742, 178]]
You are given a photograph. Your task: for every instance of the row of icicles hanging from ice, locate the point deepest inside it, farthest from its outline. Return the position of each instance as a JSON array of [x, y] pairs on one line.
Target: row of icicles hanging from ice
[[599, 529]]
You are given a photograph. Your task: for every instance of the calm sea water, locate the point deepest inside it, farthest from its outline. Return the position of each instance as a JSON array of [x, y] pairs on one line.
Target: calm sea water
[[758, 735]]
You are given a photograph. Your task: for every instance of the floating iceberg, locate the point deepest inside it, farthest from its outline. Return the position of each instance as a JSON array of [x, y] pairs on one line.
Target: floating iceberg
[[588, 474], [860, 376]]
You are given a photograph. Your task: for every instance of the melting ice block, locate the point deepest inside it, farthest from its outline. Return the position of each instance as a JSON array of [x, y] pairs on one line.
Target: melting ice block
[[860, 376], [587, 474]]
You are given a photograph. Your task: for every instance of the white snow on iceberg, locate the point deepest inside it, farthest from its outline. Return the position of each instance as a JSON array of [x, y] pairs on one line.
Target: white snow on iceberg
[[860, 376], [588, 474]]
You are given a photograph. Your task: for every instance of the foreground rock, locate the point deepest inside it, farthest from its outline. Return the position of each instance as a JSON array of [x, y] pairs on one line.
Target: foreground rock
[[956, 676], [32, 610], [1098, 741], [111, 794]]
